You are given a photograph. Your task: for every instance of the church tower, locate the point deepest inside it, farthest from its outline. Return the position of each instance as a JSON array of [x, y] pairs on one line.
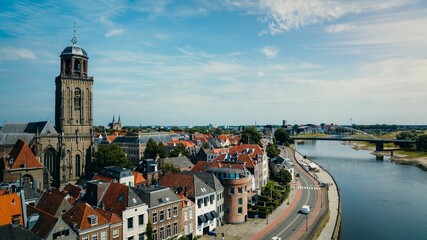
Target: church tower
[[73, 112]]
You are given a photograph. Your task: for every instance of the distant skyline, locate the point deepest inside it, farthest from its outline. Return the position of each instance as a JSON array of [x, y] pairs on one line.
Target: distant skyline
[[227, 62]]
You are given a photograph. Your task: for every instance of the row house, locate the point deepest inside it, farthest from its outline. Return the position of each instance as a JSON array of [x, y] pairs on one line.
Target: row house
[[188, 217], [205, 190], [86, 222], [213, 153], [123, 201], [164, 212]]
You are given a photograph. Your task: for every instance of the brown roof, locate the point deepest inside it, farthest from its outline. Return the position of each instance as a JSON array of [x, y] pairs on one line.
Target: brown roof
[[10, 205], [102, 178], [79, 215], [72, 190], [44, 224], [202, 166], [21, 157], [50, 202], [171, 179], [241, 149], [113, 201], [110, 216]]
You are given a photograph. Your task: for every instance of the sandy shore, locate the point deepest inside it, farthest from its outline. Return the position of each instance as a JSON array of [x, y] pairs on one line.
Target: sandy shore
[[397, 157]]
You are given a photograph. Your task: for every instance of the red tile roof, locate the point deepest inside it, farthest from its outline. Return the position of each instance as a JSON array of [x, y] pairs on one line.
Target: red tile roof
[[110, 216], [171, 179], [21, 157], [50, 202], [102, 178], [252, 149], [138, 178], [202, 166], [113, 201], [44, 224], [10, 205], [79, 215], [72, 190]]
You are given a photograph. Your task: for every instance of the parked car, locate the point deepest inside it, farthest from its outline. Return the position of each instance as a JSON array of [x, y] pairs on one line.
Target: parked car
[[297, 175]]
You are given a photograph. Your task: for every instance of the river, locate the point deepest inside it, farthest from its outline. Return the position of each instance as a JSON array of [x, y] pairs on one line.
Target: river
[[380, 199]]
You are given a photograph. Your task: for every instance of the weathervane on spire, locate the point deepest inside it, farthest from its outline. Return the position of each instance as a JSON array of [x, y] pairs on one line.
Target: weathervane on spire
[[74, 39]]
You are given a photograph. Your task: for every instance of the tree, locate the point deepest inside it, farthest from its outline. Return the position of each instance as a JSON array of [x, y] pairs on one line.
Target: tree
[[149, 231], [109, 155], [283, 176], [180, 148], [282, 137], [272, 150], [406, 135], [151, 149], [162, 150], [250, 135], [421, 143], [167, 167]]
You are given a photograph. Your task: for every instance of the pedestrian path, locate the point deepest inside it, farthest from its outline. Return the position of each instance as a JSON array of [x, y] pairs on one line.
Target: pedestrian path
[[308, 188]]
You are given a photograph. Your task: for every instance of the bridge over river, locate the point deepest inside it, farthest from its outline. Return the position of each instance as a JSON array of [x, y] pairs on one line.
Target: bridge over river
[[379, 143]]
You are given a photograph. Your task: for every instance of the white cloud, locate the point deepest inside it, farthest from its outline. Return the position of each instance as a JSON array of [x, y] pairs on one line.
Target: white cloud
[[270, 51], [114, 32], [285, 15], [10, 53], [338, 28], [260, 73]]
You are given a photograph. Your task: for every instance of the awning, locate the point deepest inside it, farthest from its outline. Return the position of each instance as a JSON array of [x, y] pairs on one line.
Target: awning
[[201, 219], [208, 216], [214, 214]]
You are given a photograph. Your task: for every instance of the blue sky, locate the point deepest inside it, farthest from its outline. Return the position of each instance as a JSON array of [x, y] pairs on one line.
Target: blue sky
[[222, 62]]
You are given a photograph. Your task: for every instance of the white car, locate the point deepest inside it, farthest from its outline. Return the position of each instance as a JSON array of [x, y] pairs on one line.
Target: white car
[[276, 238]]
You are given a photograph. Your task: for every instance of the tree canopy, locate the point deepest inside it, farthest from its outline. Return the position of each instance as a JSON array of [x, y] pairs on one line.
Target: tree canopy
[[162, 150], [406, 135], [250, 135], [421, 143], [272, 150], [109, 155], [151, 149], [282, 137], [180, 148]]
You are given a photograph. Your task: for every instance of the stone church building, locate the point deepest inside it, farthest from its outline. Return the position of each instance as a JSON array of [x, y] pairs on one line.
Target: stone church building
[[66, 149]]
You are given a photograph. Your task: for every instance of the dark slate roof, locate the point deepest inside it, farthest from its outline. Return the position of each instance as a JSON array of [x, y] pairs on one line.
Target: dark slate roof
[[179, 162], [157, 138], [11, 138], [157, 196], [44, 127], [210, 179], [74, 50], [126, 140], [10, 231], [118, 197], [44, 224], [116, 172]]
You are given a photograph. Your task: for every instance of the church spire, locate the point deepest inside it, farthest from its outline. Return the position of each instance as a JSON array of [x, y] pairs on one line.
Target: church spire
[[118, 119]]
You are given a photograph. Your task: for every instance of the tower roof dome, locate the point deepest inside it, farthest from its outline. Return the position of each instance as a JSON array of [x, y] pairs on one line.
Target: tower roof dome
[[74, 50]]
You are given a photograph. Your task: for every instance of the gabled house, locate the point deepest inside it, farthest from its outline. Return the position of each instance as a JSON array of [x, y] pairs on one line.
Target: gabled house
[[116, 224], [46, 226], [188, 217], [205, 190], [164, 211], [123, 201], [149, 169], [54, 203], [22, 165], [120, 175], [86, 222]]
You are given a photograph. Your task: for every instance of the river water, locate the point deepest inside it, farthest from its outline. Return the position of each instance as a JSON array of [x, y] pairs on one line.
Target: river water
[[380, 199]]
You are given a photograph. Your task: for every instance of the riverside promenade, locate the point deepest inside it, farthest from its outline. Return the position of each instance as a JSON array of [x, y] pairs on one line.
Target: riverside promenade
[[254, 228], [330, 230]]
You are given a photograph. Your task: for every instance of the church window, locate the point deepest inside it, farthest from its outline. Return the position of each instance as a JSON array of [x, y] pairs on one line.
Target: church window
[[77, 99], [78, 166]]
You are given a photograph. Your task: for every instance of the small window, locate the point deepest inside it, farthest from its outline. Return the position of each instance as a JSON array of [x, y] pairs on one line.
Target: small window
[[240, 201], [130, 223], [231, 190], [162, 216], [155, 217], [175, 211], [141, 219], [240, 210]]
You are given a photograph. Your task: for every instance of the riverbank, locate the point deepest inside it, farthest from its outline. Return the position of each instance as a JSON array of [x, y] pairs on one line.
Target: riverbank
[[398, 155], [332, 227]]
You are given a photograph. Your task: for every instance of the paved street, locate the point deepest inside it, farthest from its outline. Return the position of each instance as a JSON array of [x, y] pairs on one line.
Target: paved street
[[259, 229]]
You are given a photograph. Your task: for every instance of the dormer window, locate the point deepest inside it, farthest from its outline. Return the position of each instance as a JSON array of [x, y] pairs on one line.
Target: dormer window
[[93, 220]]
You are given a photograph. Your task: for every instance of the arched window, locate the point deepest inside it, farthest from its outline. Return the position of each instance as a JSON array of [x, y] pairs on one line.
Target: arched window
[[77, 167], [77, 99], [49, 161], [77, 65]]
